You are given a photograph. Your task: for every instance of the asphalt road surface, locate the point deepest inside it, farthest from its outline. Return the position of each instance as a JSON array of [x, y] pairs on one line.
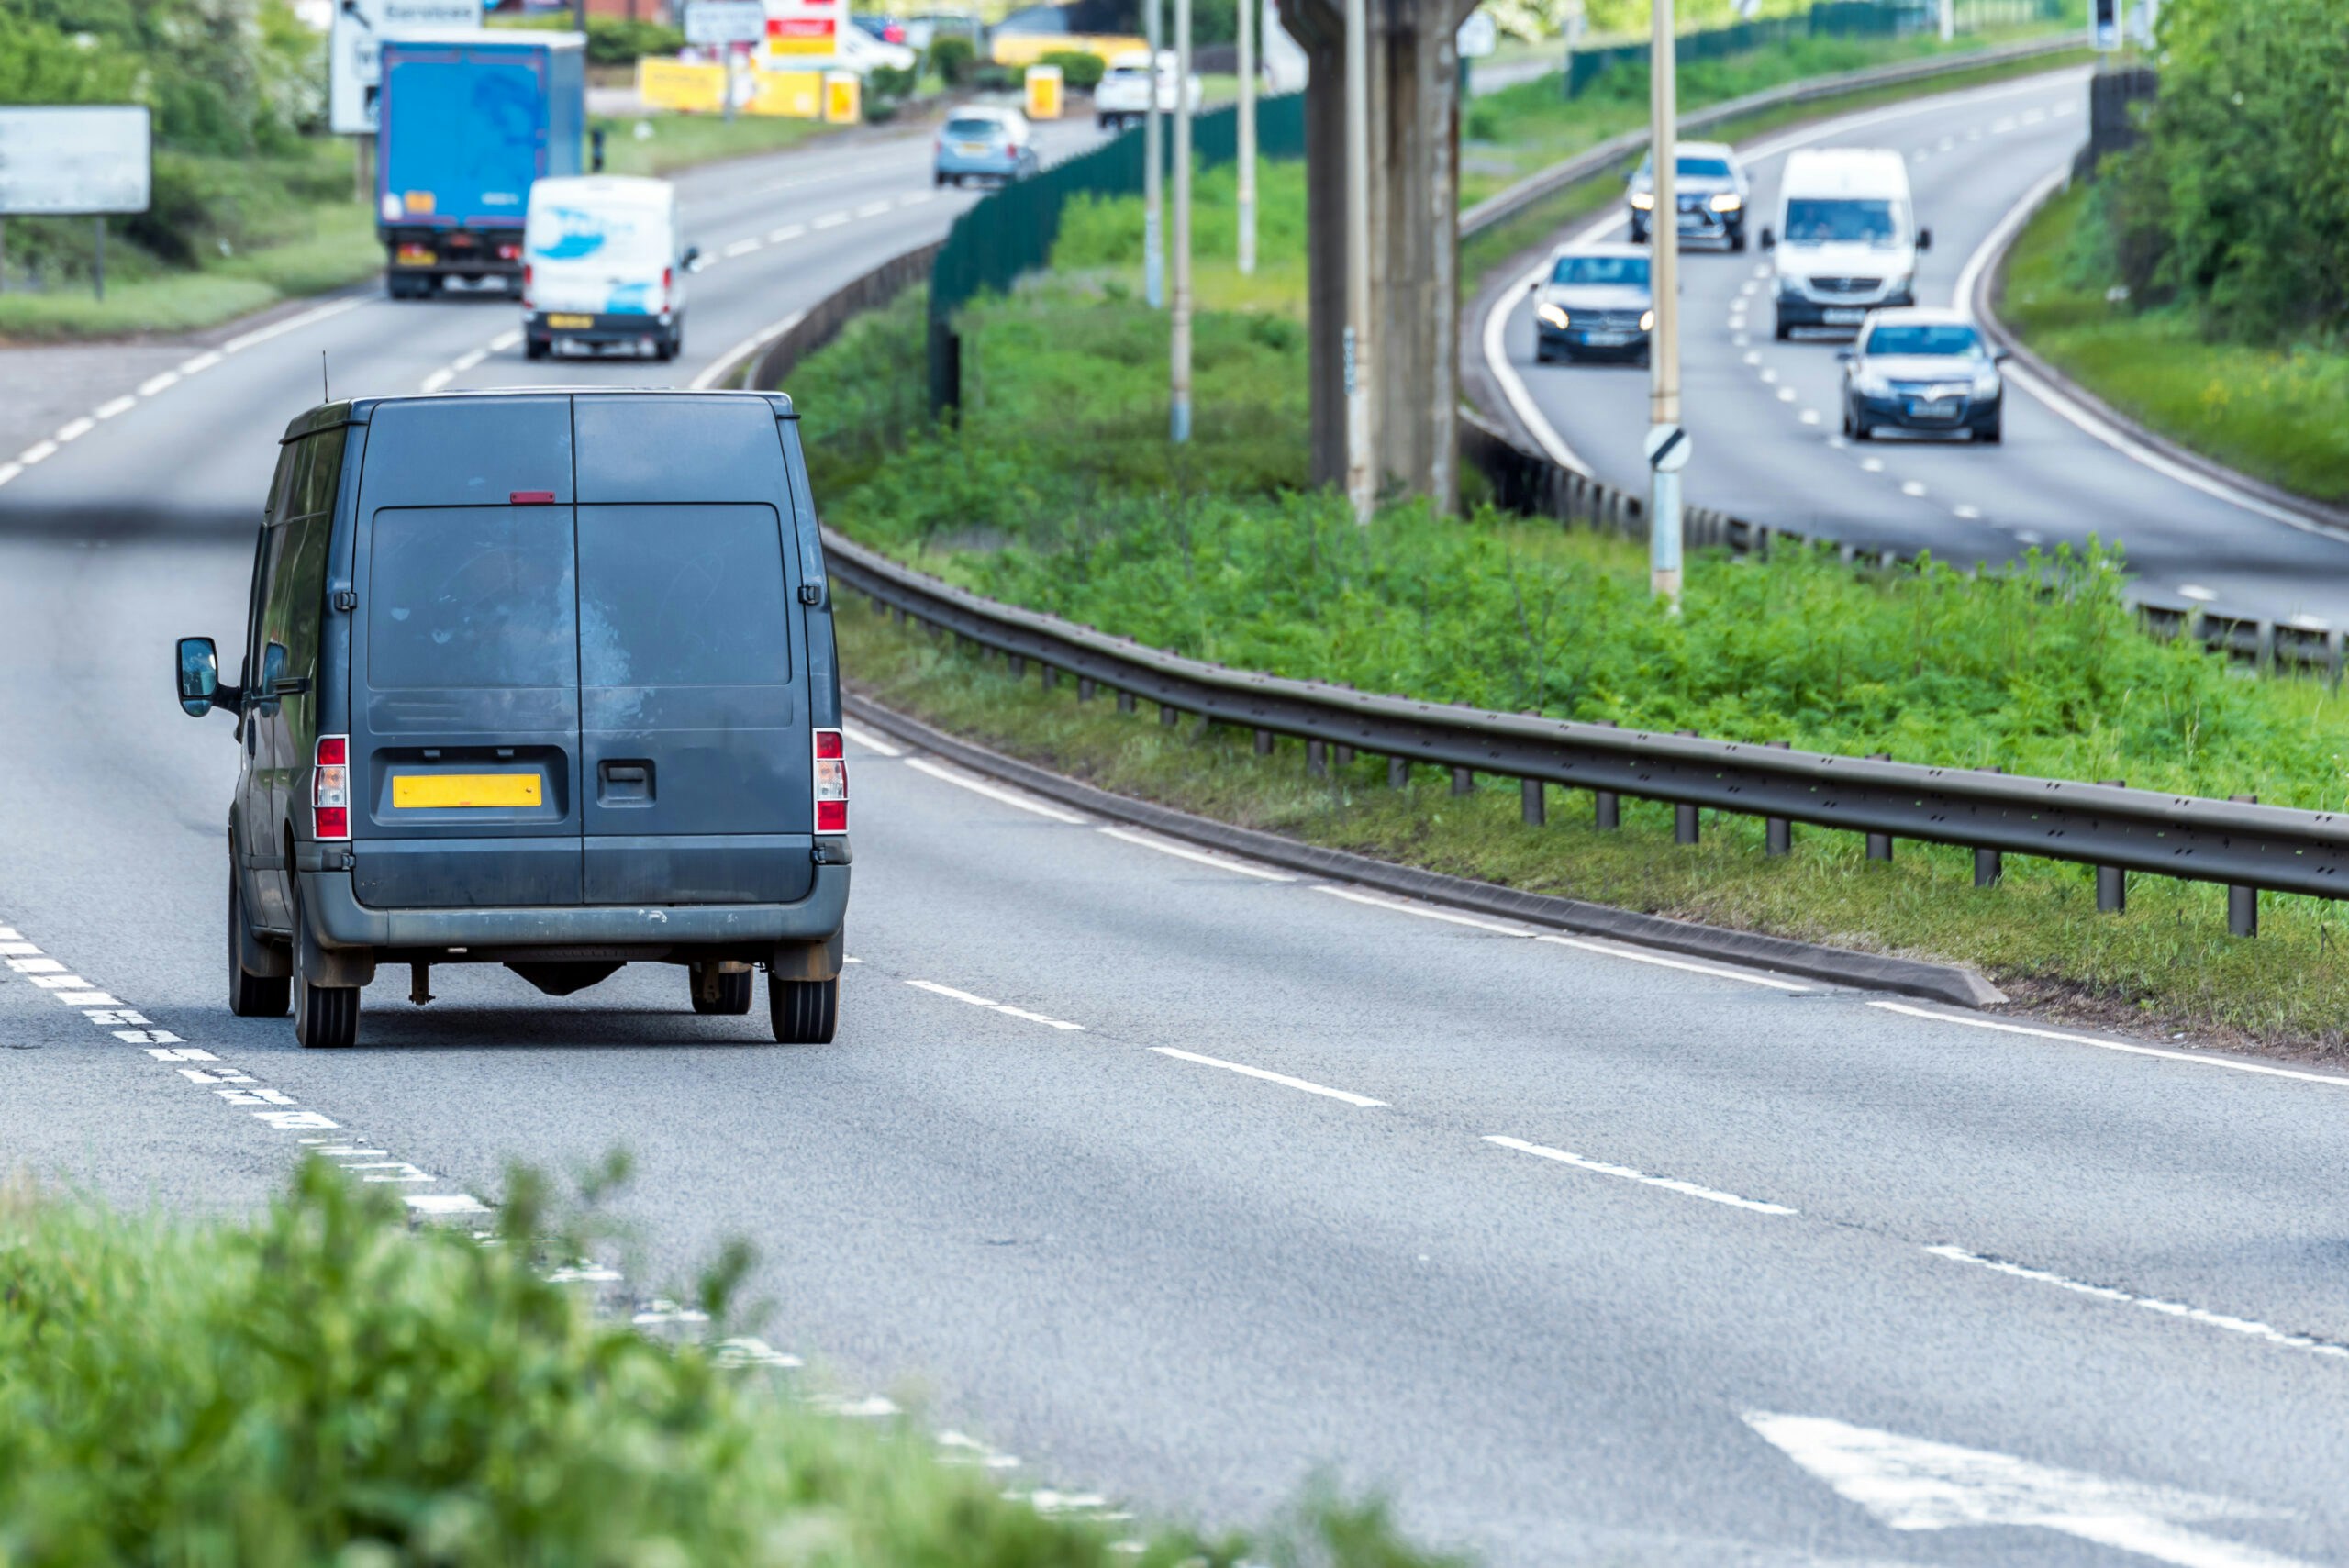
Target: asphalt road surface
[[1180, 1179], [1765, 415]]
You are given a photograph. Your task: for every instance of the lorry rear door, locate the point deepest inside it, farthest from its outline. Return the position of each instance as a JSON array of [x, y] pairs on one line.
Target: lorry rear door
[[694, 739], [467, 134], [465, 657]]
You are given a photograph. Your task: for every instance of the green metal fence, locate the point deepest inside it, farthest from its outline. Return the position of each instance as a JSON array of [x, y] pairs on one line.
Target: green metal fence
[[1827, 18], [1012, 231]]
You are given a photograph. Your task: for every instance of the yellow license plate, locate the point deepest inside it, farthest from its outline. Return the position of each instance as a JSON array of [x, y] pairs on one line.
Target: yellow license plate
[[571, 321], [417, 256], [426, 791]]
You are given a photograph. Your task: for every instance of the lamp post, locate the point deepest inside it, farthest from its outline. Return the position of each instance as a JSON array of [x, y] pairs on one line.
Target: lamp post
[[1179, 418], [1360, 486], [1665, 444]]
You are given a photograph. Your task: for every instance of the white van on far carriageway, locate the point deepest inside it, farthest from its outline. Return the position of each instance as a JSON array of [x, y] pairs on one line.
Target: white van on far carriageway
[[1846, 239], [603, 265]]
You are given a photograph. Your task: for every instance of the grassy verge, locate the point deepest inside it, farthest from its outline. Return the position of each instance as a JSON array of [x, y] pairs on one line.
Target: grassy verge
[[680, 141], [1484, 251], [1057, 489], [2275, 413], [322, 1386]]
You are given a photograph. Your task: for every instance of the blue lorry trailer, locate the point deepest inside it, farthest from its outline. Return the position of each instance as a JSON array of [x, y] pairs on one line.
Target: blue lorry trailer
[[468, 120]]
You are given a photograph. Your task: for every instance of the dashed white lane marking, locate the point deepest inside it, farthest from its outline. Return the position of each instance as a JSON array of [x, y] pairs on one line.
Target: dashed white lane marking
[[156, 384], [871, 742], [1913, 487], [439, 379], [2251, 1328], [9, 470], [115, 409], [976, 786], [2028, 537], [1768, 376], [1184, 852], [874, 210], [1625, 1172], [741, 248], [199, 364], [1786, 394], [1755, 358], [916, 198], [1969, 512], [990, 1005], [1360, 1102], [465, 363], [2126, 1048], [506, 342], [1872, 464], [830, 220], [2196, 592], [787, 233], [39, 451], [1808, 416]]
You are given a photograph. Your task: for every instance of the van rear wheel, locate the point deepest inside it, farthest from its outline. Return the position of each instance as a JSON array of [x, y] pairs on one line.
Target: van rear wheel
[[720, 993], [803, 1012], [325, 1017], [250, 996]]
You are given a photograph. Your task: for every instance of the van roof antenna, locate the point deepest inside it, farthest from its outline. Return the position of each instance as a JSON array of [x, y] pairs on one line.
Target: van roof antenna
[[324, 385]]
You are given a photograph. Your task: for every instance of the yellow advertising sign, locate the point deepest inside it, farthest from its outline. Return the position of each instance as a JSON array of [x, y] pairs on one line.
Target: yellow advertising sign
[[789, 94], [1043, 92], [1026, 48], [844, 97], [673, 84]]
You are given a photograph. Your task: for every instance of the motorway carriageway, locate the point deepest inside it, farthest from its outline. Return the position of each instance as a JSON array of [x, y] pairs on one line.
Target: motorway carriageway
[[1765, 415], [1180, 1177]]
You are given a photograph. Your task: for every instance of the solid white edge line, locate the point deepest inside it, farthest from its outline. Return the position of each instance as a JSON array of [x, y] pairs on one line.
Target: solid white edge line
[[716, 370], [1625, 1173], [1494, 338], [505, 341], [238, 345], [1148, 841], [1613, 950], [1360, 1102], [2251, 1328], [1421, 910], [2196, 1058], [870, 741], [964, 780]]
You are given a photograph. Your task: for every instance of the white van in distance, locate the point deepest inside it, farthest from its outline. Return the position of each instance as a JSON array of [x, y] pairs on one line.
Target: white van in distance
[[603, 264], [1846, 239]]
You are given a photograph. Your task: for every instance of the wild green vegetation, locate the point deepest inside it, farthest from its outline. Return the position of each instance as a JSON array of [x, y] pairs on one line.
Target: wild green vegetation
[[1056, 489], [321, 1386], [2202, 283]]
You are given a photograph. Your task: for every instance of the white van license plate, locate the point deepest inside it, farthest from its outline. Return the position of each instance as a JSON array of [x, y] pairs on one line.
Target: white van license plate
[[1844, 316]]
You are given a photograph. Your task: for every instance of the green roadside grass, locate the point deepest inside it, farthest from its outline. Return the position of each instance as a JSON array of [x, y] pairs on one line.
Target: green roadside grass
[[682, 141], [1057, 489], [2278, 413], [320, 1385]]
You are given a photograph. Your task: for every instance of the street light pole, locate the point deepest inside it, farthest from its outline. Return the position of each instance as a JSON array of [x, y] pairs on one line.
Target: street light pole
[[1361, 489], [1664, 344], [1154, 258], [1180, 416], [1247, 136], [1949, 20]]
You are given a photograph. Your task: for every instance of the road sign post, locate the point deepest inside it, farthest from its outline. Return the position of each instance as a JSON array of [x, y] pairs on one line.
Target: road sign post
[[76, 160]]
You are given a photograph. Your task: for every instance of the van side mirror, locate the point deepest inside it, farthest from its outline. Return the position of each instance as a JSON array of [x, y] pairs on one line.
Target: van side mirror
[[1533, 287], [692, 258], [1924, 239], [2001, 356], [1769, 239], [198, 679], [1845, 355]]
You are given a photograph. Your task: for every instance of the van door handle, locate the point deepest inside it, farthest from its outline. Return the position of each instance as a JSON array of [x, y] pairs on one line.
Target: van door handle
[[624, 782]]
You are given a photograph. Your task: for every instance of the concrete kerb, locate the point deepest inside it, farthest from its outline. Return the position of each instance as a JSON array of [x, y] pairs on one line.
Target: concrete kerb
[[1949, 983]]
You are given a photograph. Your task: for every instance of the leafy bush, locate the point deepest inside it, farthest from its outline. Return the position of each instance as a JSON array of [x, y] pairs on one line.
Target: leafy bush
[[889, 84], [989, 77], [1080, 70], [952, 56], [615, 40]]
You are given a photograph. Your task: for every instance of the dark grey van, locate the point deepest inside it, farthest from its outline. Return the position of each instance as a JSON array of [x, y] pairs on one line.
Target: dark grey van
[[543, 679]]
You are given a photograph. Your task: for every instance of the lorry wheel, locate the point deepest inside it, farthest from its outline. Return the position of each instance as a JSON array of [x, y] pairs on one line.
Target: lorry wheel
[[325, 1017], [803, 1012], [250, 996], [733, 992]]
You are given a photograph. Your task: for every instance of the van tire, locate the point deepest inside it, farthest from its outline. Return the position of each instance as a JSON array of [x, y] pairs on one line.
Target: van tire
[[250, 996], [325, 1017], [803, 1012], [733, 998]]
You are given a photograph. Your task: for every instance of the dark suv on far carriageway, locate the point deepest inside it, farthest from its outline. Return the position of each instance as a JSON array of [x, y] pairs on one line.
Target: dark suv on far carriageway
[[543, 679]]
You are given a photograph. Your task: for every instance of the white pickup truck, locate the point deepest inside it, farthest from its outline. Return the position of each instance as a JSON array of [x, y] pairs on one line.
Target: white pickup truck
[[1122, 98]]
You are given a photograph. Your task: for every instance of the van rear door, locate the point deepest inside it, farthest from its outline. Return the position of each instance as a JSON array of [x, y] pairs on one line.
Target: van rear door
[[466, 658], [695, 747]]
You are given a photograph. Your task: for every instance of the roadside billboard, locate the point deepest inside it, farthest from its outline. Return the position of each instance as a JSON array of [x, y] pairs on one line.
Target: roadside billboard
[[354, 51], [715, 24], [805, 26], [74, 160]]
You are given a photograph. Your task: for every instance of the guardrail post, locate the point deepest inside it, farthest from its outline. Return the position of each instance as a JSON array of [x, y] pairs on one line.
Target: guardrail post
[[1019, 663], [1606, 810], [1317, 759], [1536, 804], [1684, 818], [1462, 782], [1398, 774], [1342, 756], [1264, 740], [2263, 647], [1778, 832], [1084, 688], [1879, 844], [1125, 702], [1989, 865], [901, 616], [1052, 678], [2243, 903], [2113, 882], [1169, 716], [2333, 657]]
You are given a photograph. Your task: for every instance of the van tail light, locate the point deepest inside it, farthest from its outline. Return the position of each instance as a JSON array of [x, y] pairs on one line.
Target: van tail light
[[330, 786], [831, 783], [530, 273], [668, 286]]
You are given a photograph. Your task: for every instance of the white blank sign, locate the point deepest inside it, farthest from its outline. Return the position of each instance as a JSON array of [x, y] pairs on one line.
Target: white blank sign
[[76, 159]]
